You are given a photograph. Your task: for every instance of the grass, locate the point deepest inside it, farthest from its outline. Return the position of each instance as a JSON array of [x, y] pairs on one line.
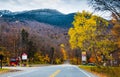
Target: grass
[[3, 70], [103, 71]]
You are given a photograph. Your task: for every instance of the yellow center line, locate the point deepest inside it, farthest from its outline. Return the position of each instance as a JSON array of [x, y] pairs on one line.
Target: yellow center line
[[55, 73]]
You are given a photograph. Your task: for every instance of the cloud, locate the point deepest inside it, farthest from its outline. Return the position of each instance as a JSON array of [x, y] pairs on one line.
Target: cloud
[[65, 6]]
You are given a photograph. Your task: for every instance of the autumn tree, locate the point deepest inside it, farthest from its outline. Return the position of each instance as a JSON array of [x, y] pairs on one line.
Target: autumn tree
[[38, 58], [2, 50], [64, 52], [46, 59], [6, 55], [90, 33], [116, 31], [112, 6]]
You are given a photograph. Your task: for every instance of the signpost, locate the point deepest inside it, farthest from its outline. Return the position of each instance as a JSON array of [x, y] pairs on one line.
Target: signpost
[[1, 58], [24, 59]]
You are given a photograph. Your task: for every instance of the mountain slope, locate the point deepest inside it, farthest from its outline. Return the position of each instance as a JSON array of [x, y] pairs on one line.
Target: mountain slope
[[52, 17]]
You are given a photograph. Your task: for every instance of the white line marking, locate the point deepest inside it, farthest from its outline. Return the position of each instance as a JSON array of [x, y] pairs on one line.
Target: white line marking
[[83, 71]]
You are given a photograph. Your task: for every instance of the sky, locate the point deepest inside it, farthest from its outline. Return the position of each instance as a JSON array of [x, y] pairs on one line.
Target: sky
[[64, 6]]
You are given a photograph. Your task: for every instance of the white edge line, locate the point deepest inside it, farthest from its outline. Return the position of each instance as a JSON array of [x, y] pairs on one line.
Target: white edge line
[[82, 71]]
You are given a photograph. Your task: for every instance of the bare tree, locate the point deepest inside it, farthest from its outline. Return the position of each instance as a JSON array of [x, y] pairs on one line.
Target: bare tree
[[107, 5]]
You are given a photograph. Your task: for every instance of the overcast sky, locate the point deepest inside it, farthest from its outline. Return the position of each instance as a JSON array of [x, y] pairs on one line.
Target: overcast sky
[[64, 6]]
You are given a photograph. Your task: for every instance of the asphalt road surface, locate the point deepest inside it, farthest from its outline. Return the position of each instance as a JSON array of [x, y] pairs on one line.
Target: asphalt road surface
[[64, 70]]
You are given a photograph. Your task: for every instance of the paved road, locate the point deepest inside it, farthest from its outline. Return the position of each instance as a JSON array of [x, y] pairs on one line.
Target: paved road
[[65, 70]]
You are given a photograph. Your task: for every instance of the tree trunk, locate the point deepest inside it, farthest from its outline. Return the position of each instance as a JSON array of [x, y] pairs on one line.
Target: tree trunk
[[97, 63]]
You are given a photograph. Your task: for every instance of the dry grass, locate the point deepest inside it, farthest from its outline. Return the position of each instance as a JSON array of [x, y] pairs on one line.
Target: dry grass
[[103, 71], [4, 70], [8, 70]]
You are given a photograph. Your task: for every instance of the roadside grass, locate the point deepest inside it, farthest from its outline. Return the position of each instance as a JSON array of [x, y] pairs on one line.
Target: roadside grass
[[102, 71], [4, 70]]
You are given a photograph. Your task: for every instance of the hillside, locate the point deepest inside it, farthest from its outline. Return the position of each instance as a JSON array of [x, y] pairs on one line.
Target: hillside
[[43, 29], [52, 17]]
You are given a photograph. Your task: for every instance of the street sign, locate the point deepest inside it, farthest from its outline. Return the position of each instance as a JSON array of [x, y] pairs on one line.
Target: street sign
[[24, 56]]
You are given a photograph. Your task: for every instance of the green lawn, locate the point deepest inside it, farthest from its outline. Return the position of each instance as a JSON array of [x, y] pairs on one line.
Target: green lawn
[[106, 71]]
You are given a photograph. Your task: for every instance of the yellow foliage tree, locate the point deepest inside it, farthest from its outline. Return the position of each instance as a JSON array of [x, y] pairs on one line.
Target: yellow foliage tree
[[63, 52], [57, 60], [38, 58], [90, 33], [5, 54], [46, 58]]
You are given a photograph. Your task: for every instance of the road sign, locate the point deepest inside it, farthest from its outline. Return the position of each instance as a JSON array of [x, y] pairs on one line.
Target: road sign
[[24, 56], [84, 56]]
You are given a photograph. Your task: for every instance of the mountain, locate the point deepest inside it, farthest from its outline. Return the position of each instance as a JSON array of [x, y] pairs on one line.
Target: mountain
[[48, 16], [3, 12], [46, 28]]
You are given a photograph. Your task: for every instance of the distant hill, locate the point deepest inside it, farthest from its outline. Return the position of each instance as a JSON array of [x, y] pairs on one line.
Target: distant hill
[[47, 16], [47, 28]]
